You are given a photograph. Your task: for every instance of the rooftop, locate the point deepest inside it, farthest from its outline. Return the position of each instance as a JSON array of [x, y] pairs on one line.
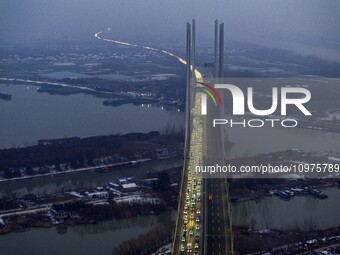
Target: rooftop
[[129, 186]]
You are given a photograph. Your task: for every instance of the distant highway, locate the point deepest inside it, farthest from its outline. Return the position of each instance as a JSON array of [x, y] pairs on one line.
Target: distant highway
[[98, 35]]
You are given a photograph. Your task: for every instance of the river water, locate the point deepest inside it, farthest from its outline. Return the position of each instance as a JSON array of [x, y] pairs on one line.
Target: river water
[[31, 116], [89, 179], [304, 212], [251, 141], [56, 116], [98, 239], [89, 239], [301, 212]]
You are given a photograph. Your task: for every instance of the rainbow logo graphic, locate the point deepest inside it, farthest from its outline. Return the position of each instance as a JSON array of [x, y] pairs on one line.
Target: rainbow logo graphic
[[211, 91]]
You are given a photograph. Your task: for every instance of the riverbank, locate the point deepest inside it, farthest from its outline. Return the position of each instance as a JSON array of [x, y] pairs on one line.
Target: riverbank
[[106, 168], [255, 189], [102, 153], [48, 117], [252, 242], [302, 212], [102, 211], [123, 197], [50, 185], [99, 239]]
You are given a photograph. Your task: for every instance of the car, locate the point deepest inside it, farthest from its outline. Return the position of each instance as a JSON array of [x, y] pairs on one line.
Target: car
[[198, 211], [183, 239], [189, 247], [197, 219], [196, 245], [192, 216], [182, 247], [197, 227], [196, 253], [191, 232]]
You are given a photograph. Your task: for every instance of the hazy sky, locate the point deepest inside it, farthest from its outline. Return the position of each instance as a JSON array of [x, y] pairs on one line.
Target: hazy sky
[[281, 23]]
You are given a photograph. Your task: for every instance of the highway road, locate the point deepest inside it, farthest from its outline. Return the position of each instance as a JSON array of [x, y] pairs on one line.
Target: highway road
[[216, 224], [218, 234], [203, 225], [211, 233], [189, 231]]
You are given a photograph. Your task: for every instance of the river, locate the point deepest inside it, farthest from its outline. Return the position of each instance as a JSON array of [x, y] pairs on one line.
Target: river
[[251, 141], [304, 212], [31, 116], [86, 179], [98, 239], [301, 212], [70, 117]]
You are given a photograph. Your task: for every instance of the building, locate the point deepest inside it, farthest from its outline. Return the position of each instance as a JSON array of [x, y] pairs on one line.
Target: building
[[129, 187], [97, 194], [125, 180], [59, 214]]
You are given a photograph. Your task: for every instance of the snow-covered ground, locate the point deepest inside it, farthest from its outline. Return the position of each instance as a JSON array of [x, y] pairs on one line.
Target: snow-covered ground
[[138, 199], [164, 250]]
